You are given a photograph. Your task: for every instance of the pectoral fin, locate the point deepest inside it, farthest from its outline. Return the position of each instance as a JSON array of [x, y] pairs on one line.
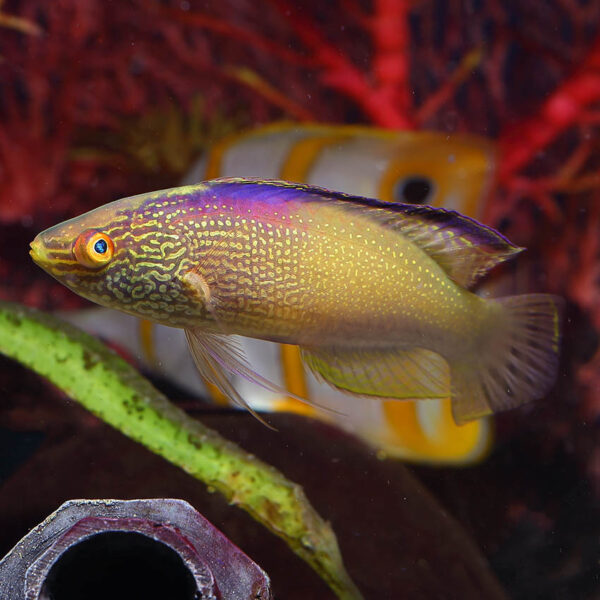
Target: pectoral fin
[[217, 356], [405, 373]]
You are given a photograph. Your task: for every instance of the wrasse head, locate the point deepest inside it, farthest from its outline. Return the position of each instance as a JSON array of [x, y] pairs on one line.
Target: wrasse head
[[120, 255], [77, 251]]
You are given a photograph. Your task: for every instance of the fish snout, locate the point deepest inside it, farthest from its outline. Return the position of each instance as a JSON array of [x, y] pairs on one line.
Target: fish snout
[[38, 251], [43, 255]]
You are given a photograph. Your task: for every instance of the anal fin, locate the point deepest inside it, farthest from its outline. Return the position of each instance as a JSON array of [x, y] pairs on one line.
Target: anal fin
[[470, 400], [402, 373]]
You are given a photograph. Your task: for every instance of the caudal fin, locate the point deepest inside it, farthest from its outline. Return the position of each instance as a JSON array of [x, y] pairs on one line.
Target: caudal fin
[[517, 362]]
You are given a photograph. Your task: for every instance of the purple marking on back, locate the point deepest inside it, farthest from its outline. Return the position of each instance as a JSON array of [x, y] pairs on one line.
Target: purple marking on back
[[259, 192], [270, 193]]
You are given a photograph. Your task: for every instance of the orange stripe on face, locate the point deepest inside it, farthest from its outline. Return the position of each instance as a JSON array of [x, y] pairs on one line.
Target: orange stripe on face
[[460, 168]]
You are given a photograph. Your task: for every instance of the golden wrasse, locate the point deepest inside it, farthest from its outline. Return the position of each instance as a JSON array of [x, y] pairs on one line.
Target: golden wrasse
[[374, 293], [451, 171]]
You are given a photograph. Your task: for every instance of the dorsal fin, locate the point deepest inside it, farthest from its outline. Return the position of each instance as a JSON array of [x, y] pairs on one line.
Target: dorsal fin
[[464, 248]]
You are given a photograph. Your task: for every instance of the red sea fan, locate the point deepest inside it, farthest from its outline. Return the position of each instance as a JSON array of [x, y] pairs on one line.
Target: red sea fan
[[71, 76], [93, 64]]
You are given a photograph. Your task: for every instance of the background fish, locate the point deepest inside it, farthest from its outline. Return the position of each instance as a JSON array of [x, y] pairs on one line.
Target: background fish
[[374, 293], [447, 171], [419, 167]]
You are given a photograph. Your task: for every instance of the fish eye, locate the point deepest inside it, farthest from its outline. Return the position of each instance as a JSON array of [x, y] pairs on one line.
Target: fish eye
[[414, 189], [100, 247], [93, 249]]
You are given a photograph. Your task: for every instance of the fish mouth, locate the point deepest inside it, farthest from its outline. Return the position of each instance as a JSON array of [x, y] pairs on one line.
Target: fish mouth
[[40, 254], [37, 251]]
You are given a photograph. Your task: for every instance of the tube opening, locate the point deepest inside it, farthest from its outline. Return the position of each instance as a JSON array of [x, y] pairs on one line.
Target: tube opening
[[119, 565]]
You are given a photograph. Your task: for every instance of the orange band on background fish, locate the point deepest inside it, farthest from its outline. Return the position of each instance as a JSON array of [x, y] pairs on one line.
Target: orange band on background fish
[[293, 371], [215, 157], [446, 442], [147, 341], [216, 395], [304, 154]]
